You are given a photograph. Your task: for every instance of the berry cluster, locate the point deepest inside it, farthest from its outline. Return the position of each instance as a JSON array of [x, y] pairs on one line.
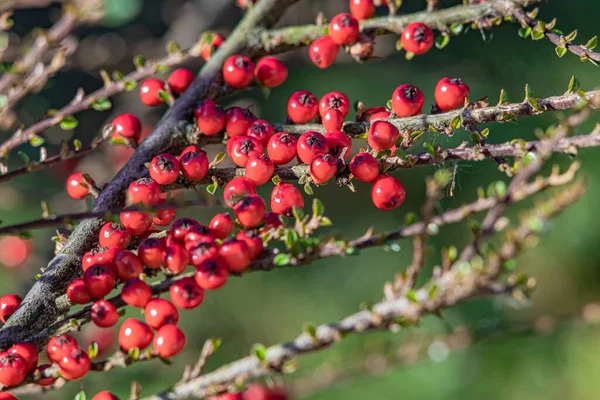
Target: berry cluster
[[176, 84], [254, 392], [239, 71]]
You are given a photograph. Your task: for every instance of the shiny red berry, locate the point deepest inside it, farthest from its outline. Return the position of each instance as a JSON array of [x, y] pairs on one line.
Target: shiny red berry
[[270, 72], [339, 143], [198, 234], [238, 188], [104, 313], [344, 29], [127, 126], [180, 80], [185, 293], [159, 312], [136, 222], [238, 71], [136, 293], [42, 381], [285, 197], [164, 216], [309, 145], [134, 334], [251, 211], [333, 120], [13, 369], [28, 351], [235, 254], [450, 94], [144, 190], [407, 101], [322, 168], [59, 346], [182, 227], [114, 235], [149, 92], [210, 118], [194, 165], [169, 341], [262, 130], [387, 192], [164, 169], [211, 41], [336, 101], [211, 274], [176, 258], [105, 395], [127, 265], [78, 185], [253, 241], [323, 52], [243, 148], [8, 396], [382, 135], [362, 9], [375, 113], [150, 252], [259, 169], [364, 167], [99, 281], [302, 107], [8, 305], [238, 121], [75, 365], [104, 256], [221, 225], [77, 293], [417, 38], [282, 148], [202, 251]]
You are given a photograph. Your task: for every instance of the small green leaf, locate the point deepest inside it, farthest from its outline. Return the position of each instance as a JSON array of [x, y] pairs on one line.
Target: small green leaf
[[485, 132], [503, 97], [139, 61], [281, 260], [429, 148], [560, 51], [69, 122], [164, 96], [442, 41], [573, 85], [456, 122], [318, 208], [77, 144], [134, 353], [36, 141], [298, 213], [118, 141], [117, 75], [218, 159], [173, 47], [80, 396], [525, 32], [276, 179], [326, 221], [571, 36], [102, 104], [211, 188], [130, 85], [592, 43], [308, 189], [93, 349], [260, 351], [411, 295], [410, 218], [456, 28], [311, 330], [475, 138], [24, 157], [537, 35]]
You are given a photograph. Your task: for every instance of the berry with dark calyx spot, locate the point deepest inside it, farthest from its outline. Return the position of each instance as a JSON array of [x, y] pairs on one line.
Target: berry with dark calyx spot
[[382, 135], [136, 222], [169, 341], [145, 191], [77, 293], [159, 312], [322, 168], [253, 241], [238, 71], [75, 365], [164, 169], [176, 258], [181, 227], [309, 145], [221, 225], [417, 38], [344, 29], [194, 165], [333, 120], [180, 80], [270, 72], [127, 265], [198, 234], [13, 369], [150, 252], [238, 188], [104, 313], [127, 126], [387, 192], [243, 148], [407, 101], [42, 381], [99, 281], [114, 235], [251, 211], [78, 185], [238, 121], [364, 167], [8, 305], [211, 274], [211, 41], [59, 346], [323, 52], [210, 118], [149, 90], [235, 254], [89, 258], [259, 169], [28, 351], [302, 107], [136, 293], [272, 221], [185, 293], [262, 130], [282, 148], [339, 143], [134, 334], [106, 256], [202, 251], [336, 101], [284, 197], [450, 94], [362, 9]]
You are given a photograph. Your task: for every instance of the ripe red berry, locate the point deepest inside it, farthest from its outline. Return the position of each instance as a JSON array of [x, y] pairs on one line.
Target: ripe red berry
[[417, 38], [198, 234], [210, 117], [134, 334], [251, 211], [322, 168], [235, 255], [185, 293], [78, 185], [144, 190], [211, 274], [136, 293], [164, 216], [344, 29], [149, 92], [238, 188], [310, 144], [127, 126], [382, 135], [8, 396], [282, 148], [238, 121], [159, 312], [323, 52], [136, 222], [127, 265], [75, 365], [333, 120], [302, 107], [362, 9], [194, 165], [169, 341], [104, 313], [407, 101], [262, 130], [41, 381], [176, 258], [211, 41], [180, 80], [364, 167], [182, 227], [227, 396], [77, 293], [106, 256], [202, 251], [450, 94], [164, 169], [8, 305], [253, 241], [221, 225], [259, 169], [237, 71], [14, 251], [105, 395], [28, 351], [59, 346], [99, 281], [150, 252], [13, 369], [114, 235], [387, 192], [339, 143], [270, 72], [336, 101], [243, 148], [376, 113], [285, 197], [272, 221]]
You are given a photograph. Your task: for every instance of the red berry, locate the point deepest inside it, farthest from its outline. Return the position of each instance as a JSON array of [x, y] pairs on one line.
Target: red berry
[[382, 135], [362, 9], [106, 256], [136, 222], [262, 130], [211, 41], [134, 333], [164, 216], [333, 120], [364, 167], [99, 281], [77, 187], [13, 369], [210, 117], [164, 169], [253, 241], [114, 235], [256, 391], [194, 165], [238, 121], [323, 168], [169, 341], [336, 101], [182, 227], [282, 148], [198, 234], [105, 395], [185, 293], [8, 396], [417, 38], [235, 255], [159, 312], [270, 72], [302, 107], [238, 188], [376, 113], [14, 251], [59, 346], [149, 92], [127, 265], [310, 144], [176, 258], [259, 169], [104, 313], [450, 94], [221, 225], [127, 126], [284, 197], [28, 351], [407, 101], [75, 365], [77, 293], [226, 396], [251, 211], [41, 381], [180, 80], [344, 29], [237, 71], [8, 305], [144, 190], [202, 251], [243, 148], [211, 274], [387, 192], [323, 52], [339, 143], [150, 252], [136, 293], [272, 221]]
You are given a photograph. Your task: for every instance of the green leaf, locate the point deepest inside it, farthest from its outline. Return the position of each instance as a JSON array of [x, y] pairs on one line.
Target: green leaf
[[485, 132], [102, 104], [503, 97], [475, 138], [276, 179], [571, 36], [560, 51], [281, 260], [308, 189], [24, 157], [211, 188], [139, 61], [130, 85], [117, 75], [410, 218], [77, 144], [260, 351], [298, 213], [592, 43], [164, 96], [36, 141], [456, 28], [530, 98], [456, 122], [311, 330], [429, 148], [118, 141], [93, 349], [318, 208], [80, 396], [525, 32], [134, 353], [326, 221], [218, 159], [173, 47], [411, 295], [69, 122], [573, 85], [537, 35], [442, 41]]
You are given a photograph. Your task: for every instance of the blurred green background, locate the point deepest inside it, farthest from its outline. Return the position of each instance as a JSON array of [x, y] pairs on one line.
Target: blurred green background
[[272, 307]]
